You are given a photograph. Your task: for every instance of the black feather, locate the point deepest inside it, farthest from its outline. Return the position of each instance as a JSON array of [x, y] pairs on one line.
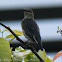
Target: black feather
[[31, 32]]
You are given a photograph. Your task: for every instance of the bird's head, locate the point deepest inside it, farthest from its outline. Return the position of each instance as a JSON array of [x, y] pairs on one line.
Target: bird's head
[[28, 13]]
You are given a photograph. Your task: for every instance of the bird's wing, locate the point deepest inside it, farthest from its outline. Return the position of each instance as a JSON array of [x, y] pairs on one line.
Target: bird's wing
[[30, 29]]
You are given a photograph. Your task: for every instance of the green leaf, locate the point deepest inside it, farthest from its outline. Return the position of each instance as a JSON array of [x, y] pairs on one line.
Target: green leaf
[[11, 39], [18, 32], [9, 36], [43, 55], [48, 60], [19, 49], [5, 52], [31, 58]]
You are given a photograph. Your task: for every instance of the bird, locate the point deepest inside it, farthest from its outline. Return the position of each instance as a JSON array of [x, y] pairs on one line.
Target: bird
[[31, 30]]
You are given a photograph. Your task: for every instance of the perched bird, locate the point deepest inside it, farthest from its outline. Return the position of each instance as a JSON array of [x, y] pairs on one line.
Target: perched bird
[[31, 30]]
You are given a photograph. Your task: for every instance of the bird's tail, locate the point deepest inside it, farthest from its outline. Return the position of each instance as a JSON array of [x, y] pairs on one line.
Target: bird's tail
[[40, 46]]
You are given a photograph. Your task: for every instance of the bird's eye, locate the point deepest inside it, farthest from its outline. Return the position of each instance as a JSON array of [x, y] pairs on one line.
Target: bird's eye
[[28, 11]]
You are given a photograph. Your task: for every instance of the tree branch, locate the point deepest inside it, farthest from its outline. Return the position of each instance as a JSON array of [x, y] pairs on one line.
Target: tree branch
[[32, 49]]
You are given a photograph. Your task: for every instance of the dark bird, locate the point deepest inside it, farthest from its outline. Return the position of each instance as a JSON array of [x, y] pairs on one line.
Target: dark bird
[[31, 30]]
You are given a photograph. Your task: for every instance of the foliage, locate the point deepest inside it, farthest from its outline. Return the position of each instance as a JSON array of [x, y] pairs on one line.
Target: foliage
[[43, 55], [5, 52], [28, 56], [19, 54], [18, 33], [59, 30], [60, 52]]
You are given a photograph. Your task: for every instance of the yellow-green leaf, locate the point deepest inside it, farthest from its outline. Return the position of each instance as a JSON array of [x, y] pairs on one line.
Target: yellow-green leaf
[[9, 36], [11, 39], [43, 55], [31, 58], [48, 60], [5, 52], [18, 32]]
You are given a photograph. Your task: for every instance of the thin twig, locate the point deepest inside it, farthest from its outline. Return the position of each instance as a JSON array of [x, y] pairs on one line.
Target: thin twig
[[33, 50], [2, 34]]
